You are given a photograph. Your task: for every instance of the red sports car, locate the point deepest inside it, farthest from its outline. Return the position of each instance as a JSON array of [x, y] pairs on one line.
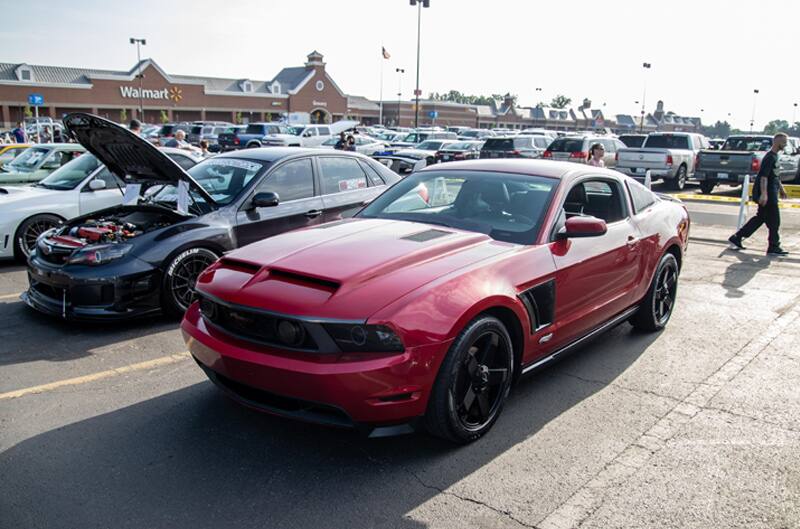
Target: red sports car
[[425, 307]]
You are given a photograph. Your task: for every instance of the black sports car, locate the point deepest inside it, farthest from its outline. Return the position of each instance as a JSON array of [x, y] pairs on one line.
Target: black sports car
[[135, 260]]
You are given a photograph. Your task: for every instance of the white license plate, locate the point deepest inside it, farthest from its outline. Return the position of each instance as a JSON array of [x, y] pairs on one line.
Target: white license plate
[[445, 157], [641, 170], [723, 176]]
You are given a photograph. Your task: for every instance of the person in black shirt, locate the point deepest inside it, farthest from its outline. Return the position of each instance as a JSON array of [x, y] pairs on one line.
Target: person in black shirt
[[766, 190]]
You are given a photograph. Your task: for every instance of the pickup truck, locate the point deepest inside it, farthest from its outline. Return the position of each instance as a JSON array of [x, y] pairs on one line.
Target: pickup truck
[[312, 135], [252, 136], [741, 155], [669, 156]]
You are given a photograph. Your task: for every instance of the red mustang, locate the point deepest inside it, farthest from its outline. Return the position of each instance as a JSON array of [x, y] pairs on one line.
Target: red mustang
[[425, 308]]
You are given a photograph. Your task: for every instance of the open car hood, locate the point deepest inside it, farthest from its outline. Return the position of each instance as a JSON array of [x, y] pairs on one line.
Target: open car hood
[[126, 154]]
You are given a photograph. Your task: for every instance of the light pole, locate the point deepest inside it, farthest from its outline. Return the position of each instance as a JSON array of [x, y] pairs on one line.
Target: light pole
[[753, 115], [794, 115], [139, 43], [420, 4], [646, 66], [400, 72]]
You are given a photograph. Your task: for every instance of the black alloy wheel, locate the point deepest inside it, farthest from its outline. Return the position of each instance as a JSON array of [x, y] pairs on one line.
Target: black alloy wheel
[[181, 276], [679, 182], [29, 231], [473, 382], [656, 308]]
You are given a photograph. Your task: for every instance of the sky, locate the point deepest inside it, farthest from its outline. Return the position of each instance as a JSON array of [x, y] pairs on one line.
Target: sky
[[707, 56]]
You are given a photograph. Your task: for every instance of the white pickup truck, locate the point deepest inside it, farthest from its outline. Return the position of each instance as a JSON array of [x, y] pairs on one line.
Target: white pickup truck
[[669, 156]]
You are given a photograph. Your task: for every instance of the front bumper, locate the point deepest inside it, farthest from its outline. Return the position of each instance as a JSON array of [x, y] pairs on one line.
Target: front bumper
[[117, 291], [350, 391]]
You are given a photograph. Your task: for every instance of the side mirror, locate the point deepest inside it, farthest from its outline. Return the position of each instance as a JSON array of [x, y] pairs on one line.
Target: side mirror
[[97, 185], [578, 227], [267, 199]]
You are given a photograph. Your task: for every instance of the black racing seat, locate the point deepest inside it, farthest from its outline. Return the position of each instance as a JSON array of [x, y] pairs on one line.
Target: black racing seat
[[576, 201]]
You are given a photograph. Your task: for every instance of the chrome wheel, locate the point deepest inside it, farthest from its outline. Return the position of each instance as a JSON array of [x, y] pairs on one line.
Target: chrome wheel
[[31, 229]]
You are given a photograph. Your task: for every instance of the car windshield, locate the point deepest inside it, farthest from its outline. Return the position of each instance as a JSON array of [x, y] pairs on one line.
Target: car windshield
[[415, 138], [748, 143], [29, 159], [430, 145], [295, 131], [567, 145], [505, 206], [667, 141], [459, 146], [71, 174], [197, 129], [471, 133], [222, 178], [633, 141]]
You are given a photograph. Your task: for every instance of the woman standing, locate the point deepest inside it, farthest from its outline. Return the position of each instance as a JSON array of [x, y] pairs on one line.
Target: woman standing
[[596, 154]]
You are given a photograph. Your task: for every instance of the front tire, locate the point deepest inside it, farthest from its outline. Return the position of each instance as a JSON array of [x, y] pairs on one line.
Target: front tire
[[180, 276], [679, 182], [473, 382], [29, 231], [656, 308]]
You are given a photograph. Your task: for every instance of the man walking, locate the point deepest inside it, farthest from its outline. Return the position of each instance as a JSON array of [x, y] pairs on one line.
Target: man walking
[[19, 133], [135, 127], [766, 190]]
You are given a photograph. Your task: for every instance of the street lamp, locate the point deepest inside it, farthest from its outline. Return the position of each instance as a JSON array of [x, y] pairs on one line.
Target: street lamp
[[753, 115], [420, 4], [400, 72], [139, 42], [794, 115], [646, 66]]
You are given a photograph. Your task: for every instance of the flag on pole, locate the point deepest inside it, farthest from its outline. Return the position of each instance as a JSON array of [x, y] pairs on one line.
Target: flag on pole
[[385, 53]]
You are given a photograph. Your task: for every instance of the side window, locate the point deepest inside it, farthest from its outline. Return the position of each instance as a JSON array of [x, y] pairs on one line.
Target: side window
[[207, 130], [291, 181], [596, 198], [641, 196], [341, 174], [609, 145], [109, 178], [324, 131], [184, 161], [374, 178]]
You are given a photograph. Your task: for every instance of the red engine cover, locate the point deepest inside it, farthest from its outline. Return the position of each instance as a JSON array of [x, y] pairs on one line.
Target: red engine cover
[[93, 234]]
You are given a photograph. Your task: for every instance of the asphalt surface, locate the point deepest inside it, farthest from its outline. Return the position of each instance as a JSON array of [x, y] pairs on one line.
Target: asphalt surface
[[696, 426]]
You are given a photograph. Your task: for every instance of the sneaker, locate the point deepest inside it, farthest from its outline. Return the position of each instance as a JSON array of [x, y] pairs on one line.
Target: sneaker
[[736, 241], [777, 251]]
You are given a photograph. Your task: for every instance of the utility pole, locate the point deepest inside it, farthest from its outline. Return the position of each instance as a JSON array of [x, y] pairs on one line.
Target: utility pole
[[139, 42], [400, 72], [420, 4]]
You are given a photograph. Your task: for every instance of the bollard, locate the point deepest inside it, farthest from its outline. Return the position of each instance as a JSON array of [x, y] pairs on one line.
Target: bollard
[[743, 204], [648, 181]]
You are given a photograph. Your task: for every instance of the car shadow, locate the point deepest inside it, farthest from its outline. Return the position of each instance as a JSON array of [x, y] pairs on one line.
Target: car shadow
[[742, 271], [192, 458]]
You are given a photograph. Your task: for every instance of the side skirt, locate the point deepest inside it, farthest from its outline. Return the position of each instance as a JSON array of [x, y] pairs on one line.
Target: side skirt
[[613, 322]]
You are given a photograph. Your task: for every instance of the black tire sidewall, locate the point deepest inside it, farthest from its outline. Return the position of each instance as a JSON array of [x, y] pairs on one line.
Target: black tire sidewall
[[680, 178], [18, 252], [169, 304], [646, 318]]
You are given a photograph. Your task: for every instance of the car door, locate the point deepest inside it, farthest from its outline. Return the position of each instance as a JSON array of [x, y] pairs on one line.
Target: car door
[[595, 275], [90, 200], [299, 204], [323, 134], [343, 186]]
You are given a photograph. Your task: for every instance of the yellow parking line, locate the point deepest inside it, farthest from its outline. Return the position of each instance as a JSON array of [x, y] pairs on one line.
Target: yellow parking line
[[10, 296], [100, 375], [717, 198]]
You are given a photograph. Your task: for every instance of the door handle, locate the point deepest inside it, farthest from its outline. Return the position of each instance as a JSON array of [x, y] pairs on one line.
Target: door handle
[[632, 241], [314, 213]]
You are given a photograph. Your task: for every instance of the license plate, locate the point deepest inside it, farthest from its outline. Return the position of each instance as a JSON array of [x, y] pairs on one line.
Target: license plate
[[640, 170], [723, 176], [445, 157]]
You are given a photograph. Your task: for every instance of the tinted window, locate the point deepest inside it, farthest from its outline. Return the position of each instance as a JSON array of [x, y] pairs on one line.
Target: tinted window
[[641, 196], [222, 178], [748, 143], [341, 174], [541, 141], [522, 143], [254, 129], [197, 129], [291, 181], [184, 161], [112, 182], [71, 174], [499, 144], [373, 175], [567, 145], [633, 141], [598, 198], [667, 141], [324, 131]]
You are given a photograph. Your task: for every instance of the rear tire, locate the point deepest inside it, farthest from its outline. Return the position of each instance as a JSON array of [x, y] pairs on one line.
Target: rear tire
[[253, 145], [679, 182], [180, 276], [29, 230], [656, 308], [707, 186], [473, 382]]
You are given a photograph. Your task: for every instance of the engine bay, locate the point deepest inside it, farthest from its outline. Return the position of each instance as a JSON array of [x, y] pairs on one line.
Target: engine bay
[[112, 228]]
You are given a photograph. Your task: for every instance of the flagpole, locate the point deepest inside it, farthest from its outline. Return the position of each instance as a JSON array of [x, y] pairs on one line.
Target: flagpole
[[380, 112]]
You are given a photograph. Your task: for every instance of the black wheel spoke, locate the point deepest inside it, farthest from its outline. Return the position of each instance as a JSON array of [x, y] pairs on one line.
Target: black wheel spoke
[[484, 406], [497, 376], [469, 399]]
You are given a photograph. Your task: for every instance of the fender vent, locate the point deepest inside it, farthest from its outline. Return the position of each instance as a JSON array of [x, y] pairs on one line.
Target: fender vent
[[540, 303], [293, 277], [424, 236], [241, 266]]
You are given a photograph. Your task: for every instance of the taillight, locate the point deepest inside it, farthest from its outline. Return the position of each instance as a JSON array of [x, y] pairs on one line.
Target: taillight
[[616, 157], [579, 154], [236, 141], [669, 159], [458, 157], [755, 164], [696, 161], [547, 154], [515, 152]]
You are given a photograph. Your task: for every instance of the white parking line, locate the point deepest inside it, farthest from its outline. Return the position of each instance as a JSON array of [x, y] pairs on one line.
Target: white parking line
[[10, 296]]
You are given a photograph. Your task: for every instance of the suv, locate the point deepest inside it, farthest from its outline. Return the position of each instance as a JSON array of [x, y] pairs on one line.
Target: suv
[[206, 130], [308, 135], [576, 149], [254, 135], [515, 147], [671, 156], [168, 130]]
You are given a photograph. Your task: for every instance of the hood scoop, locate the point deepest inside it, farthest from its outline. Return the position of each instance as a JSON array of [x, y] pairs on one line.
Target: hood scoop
[[241, 266], [328, 285], [425, 236]]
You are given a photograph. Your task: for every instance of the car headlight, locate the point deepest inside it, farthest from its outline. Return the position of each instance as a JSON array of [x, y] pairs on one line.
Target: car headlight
[[99, 254], [356, 338]]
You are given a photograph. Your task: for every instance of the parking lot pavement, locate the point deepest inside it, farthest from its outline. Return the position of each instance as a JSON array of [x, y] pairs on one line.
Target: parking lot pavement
[[698, 426]]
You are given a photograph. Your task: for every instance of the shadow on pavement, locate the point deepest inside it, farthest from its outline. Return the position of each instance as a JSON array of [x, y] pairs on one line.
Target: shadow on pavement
[[739, 273], [194, 459]]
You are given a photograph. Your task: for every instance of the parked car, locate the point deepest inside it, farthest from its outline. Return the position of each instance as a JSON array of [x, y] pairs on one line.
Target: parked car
[[129, 261], [741, 155], [81, 186], [168, 130], [249, 136], [515, 147], [476, 134], [425, 150], [413, 138], [426, 307], [459, 150], [38, 161], [307, 135], [458, 130], [229, 139], [364, 144], [668, 156], [633, 140], [206, 130], [10, 151], [539, 132], [576, 149]]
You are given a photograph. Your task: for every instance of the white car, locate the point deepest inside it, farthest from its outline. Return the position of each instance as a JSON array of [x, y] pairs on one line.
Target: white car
[[308, 135], [425, 150], [77, 188], [364, 144]]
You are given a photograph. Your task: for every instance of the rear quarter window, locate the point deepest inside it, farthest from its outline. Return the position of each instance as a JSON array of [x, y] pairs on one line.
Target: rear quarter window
[[641, 197]]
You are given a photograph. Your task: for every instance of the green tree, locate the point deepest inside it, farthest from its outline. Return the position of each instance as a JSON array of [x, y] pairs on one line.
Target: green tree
[[27, 112], [123, 115], [720, 129], [560, 101], [238, 118], [164, 117], [777, 125]]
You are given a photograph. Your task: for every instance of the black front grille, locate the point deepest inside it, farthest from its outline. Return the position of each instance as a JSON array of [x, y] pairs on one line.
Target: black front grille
[[257, 326], [46, 290]]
